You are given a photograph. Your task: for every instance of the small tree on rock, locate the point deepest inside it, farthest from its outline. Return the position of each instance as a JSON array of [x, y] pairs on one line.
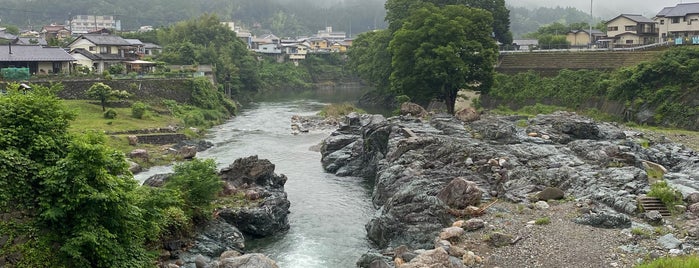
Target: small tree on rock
[[104, 93]]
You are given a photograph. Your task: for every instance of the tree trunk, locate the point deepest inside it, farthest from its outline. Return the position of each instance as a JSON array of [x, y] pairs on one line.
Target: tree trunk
[[450, 99]]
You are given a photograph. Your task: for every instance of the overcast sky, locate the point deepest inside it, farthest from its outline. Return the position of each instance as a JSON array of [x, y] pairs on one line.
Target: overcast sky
[[606, 9]]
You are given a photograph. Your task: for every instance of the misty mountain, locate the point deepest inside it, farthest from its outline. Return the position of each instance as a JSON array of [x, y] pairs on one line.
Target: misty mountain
[[282, 17]]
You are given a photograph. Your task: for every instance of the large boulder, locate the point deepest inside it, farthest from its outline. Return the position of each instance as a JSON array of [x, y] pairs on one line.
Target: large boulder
[[414, 109], [467, 115], [460, 193], [268, 208], [254, 260]]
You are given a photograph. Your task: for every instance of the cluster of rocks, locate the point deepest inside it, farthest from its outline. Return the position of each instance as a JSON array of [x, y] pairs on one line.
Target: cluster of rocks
[[186, 149], [414, 160], [264, 213], [305, 124]]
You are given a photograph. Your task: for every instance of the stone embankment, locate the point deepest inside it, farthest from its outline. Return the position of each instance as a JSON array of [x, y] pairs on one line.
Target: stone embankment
[[430, 173], [253, 203]]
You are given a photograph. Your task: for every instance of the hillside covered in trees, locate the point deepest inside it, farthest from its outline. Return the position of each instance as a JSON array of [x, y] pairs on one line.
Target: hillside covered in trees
[[282, 17]]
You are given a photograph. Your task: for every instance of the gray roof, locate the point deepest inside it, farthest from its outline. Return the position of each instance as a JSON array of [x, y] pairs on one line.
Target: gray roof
[[664, 12], [637, 18], [151, 45], [682, 10], [34, 53], [98, 57], [134, 42], [105, 39]]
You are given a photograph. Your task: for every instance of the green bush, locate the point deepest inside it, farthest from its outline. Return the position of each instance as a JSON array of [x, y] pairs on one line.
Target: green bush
[[339, 109], [194, 118], [669, 196], [198, 183], [138, 109], [689, 261], [110, 114], [542, 221]]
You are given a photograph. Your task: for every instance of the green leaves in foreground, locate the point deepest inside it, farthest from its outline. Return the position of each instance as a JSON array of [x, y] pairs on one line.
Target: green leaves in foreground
[[198, 183]]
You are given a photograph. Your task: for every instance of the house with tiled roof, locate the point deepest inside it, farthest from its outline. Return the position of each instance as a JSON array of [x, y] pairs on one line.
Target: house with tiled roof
[[680, 21], [104, 50], [581, 38], [39, 59], [54, 31], [631, 30]]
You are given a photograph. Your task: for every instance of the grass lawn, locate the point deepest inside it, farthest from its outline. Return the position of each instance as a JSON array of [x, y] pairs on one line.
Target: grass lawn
[[89, 116]]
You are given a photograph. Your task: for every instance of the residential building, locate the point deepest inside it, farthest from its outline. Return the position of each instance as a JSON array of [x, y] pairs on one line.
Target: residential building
[[328, 33], [525, 44], [150, 49], [99, 51], [82, 24], [136, 49], [581, 38], [631, 30], [680, 21], [39, 60], [53, 31]]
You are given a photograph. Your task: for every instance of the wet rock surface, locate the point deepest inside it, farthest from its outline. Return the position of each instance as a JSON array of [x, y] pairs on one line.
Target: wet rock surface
[[510, 158], [254, 177]]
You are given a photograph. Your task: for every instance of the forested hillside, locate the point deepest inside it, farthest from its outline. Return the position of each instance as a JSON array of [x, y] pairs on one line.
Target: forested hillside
[[282, 17], [524, 20]]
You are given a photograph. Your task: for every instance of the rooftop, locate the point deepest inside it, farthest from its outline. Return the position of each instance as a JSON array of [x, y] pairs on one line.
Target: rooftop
[[34, 53]]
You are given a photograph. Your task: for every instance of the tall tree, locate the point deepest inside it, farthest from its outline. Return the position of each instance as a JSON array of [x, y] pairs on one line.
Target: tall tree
[[440, 50], [398, 10], [370, 58], [104, 93]]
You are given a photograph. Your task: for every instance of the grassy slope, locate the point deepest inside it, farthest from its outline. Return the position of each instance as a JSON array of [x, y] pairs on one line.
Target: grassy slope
[[89, 117]]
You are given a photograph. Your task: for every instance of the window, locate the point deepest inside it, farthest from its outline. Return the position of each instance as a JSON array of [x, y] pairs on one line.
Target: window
[[631, 28], [662, 22], [105, 50], [676, 20], [92, 48], [629, 41], [613, 28]]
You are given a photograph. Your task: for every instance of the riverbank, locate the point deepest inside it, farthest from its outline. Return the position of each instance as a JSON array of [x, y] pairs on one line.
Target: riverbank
[[599, 166]]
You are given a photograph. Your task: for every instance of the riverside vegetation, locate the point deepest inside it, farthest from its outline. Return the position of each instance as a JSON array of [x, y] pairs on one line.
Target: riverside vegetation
[[67, 198]]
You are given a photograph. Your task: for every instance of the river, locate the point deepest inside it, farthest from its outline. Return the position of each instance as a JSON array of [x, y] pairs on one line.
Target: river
[[328, 213]]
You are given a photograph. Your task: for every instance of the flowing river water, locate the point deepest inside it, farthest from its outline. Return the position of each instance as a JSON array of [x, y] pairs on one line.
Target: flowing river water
[[328, 213]]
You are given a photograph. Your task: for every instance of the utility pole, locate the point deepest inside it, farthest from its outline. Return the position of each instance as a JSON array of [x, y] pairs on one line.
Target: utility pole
[[591, 41]]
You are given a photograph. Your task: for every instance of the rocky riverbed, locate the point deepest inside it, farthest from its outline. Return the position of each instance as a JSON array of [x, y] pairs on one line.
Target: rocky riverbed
[[423, 168]]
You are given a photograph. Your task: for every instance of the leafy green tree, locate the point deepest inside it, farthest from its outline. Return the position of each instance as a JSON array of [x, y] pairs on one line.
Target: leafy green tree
[[205, 40], [75, 195], [198, 183], [397, 11], [440, 50], [549, 41], [370, 58], [87, 202], [104, 93]]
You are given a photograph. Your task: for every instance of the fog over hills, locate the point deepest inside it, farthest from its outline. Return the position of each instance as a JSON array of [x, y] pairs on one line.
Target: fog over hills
[[605, 9]]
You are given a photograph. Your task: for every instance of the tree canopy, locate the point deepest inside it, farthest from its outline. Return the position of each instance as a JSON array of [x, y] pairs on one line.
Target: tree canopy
[[205, 40], [398, 10], [440, 50], [76, 193]]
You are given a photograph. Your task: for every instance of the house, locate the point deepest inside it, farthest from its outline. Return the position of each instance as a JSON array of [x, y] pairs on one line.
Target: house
[[680, 21], [268, 49], [632, 30], [135, 51], [53, 31], [39, 60], [328, 33], [99, 51], [525, 44], [150, 49], [581, 38]]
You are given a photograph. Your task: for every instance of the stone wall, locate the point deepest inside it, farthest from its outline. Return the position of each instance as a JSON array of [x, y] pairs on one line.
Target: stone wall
[[160, 139], [178, 89]]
